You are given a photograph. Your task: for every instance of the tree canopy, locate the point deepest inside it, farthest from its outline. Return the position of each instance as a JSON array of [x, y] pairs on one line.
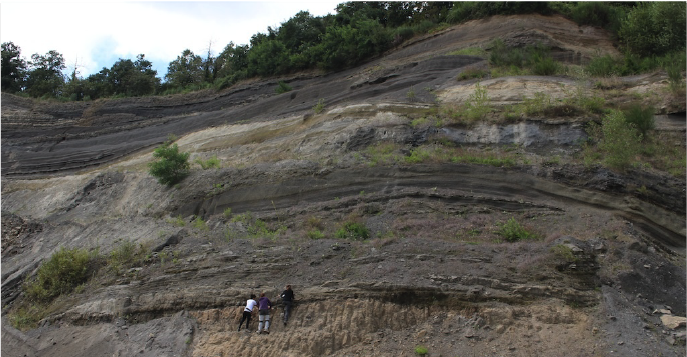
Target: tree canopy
[[357, 32]]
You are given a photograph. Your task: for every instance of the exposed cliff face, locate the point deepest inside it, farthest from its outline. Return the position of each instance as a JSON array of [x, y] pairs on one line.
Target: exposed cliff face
[[608, 263]]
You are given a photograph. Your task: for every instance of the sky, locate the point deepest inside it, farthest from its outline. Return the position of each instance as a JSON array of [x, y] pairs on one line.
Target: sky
[[93, 35]]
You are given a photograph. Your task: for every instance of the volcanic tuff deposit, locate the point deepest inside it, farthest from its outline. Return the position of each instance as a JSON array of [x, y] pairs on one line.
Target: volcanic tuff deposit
[[605, 278]]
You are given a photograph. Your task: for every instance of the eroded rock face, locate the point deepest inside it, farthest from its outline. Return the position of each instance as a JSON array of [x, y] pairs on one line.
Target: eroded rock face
[[435, 271]]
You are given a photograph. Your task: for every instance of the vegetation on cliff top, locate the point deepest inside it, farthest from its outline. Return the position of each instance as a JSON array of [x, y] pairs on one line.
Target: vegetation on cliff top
[[357, 32]]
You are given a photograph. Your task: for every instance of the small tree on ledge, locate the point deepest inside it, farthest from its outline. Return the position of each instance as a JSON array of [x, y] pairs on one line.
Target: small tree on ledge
[[171, 165]]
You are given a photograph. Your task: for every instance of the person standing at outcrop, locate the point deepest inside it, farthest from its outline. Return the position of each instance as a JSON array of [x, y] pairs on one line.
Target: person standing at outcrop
[[247, 311], [287, 298], [264, 306]]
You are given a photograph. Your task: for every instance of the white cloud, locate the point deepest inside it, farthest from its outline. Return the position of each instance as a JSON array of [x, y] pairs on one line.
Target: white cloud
[[97, 34]]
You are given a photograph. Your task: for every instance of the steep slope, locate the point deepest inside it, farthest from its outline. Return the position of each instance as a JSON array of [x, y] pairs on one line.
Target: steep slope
[[604, 274]]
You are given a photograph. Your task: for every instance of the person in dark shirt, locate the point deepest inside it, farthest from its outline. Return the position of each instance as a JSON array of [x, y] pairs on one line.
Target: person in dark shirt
[[287, 298], [264, 306]]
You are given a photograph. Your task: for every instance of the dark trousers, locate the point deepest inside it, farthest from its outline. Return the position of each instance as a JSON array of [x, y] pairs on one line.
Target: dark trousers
[[287, 310], [245, 317]]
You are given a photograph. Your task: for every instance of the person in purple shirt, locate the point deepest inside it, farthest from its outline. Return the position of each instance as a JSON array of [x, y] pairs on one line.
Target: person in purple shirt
[[264, 306]]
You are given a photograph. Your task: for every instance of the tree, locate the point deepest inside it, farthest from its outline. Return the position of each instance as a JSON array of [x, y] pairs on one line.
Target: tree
[[133, 79], [13, 68], [171, 165], [186, 70], [45, 75], [654, 28], [268, 58]]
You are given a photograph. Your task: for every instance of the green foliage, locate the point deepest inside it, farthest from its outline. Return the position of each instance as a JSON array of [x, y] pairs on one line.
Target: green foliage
[[212, 162], [411, 94], [606, 66], [66, 269], [315, 234], [512, 231], [13, 68], [255, 228], [44, 76], [27, 316], [178, 221], [564, 252], [384, 153], [490, 160], [199, 223], [477, 105], [537, 104], [421, 350], [417, 155], [536, 58], [544, 65], [469, 10], [126, 255], [473, 72], [319, 107], [641, 117], [654, 28], [227, 212], [618, 140], [354, 231], [603, 66], [186, 70], [315, 222], [503, 56], [598, 14], [171, 166], [282, 87]]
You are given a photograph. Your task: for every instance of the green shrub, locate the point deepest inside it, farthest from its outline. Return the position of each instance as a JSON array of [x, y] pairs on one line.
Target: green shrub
[[402, 34], [598, 14], [537, 104], [319, 107], [199, 223], [512, 231], [125, 255], [468, 10], [353, 230], [604, 66], [473, 72], [417, 155], [209, 163], [65, 270], [503, 56], [227, 212], [27, 316], [421, 350], [488, 160], [620, 140], [544, 65], [383, 153], [641, 117], [654, 28], [477, 105], [564, 252], [171, 165], [470, 51], [315, 234], [177, 221], [282, 87], [315, 222]]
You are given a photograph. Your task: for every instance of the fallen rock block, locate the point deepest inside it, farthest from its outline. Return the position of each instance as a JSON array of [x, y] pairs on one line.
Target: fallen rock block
[[673, 322]]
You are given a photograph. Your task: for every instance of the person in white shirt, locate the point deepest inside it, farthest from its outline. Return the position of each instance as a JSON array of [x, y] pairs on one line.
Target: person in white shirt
[[247, 311]]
